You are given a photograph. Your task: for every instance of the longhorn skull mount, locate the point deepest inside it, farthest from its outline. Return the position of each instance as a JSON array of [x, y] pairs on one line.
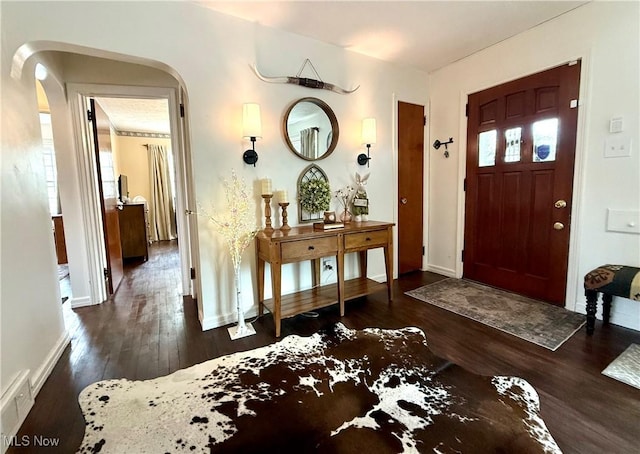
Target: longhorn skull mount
[[303, 81]]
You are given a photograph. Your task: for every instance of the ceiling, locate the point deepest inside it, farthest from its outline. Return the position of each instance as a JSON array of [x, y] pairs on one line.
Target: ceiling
[[137, 115], [425, 35]]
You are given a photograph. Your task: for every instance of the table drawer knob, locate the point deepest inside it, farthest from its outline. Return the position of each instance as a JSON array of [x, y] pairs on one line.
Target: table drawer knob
[[367, 239], [311, 248]]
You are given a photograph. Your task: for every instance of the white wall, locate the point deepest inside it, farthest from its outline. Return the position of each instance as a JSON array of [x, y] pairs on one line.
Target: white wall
[[606, 36], [32, 328], [211, 52]]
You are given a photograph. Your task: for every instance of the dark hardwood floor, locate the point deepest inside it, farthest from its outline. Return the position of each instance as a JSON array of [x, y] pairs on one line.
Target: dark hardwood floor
[[148, 329]]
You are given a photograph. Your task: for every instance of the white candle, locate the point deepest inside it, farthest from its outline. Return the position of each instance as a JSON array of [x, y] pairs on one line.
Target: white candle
[[282, 196], [266, 186]]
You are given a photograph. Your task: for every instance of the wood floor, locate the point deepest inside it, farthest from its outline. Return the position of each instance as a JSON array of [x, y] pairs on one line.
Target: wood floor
[[148, 330]]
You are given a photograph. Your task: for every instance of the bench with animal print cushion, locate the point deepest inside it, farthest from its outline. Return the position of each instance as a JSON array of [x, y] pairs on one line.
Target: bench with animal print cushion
[[610, 280]]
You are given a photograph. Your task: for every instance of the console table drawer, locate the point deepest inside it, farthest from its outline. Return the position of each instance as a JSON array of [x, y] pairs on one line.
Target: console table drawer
[[365, 240], [309, 249]]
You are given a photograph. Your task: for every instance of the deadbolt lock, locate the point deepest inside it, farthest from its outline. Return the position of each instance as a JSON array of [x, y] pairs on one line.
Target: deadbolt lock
[[560, 204], [403, 200]]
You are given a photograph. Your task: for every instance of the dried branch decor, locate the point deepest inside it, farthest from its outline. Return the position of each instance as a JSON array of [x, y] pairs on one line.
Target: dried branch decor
[[238, 227]]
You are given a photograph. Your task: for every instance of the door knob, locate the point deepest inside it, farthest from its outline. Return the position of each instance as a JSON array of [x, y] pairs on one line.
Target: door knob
[[403, 200], [558, 226], [560, 204]]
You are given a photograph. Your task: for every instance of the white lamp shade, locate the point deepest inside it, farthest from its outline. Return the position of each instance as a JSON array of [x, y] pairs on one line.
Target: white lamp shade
[[369, 131], [251, 123]]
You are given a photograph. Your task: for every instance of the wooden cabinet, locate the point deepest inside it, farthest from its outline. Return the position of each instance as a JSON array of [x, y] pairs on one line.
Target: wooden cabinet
[[304, 243], [58, 238], [133, 231]]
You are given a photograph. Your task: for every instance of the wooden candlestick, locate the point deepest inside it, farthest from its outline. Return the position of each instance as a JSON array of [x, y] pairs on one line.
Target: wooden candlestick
[[267, 213], [284, 206]]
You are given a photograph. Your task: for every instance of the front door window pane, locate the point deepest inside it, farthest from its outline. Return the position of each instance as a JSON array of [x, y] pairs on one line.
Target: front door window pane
[[512, 147], [487, 148], [545, 140]]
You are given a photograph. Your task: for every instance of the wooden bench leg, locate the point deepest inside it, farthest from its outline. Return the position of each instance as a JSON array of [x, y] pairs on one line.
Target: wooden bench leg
[[606, 307], [592, 304]]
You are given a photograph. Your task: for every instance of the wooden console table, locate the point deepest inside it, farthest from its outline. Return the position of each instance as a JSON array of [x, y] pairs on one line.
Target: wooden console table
[[304, 243]]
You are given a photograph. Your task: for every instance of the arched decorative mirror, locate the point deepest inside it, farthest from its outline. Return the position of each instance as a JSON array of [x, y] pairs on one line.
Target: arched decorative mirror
[[310, 129]]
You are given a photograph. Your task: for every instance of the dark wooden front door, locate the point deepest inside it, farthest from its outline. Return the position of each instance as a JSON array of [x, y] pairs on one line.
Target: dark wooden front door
[[107, 187], [410, 184], [520, 157]]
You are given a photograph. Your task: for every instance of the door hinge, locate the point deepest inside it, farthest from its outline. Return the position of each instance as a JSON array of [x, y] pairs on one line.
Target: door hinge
[[193, 273], [462, 255], [89, 115], [466, 110], [106, 273], [464, 184], [422, 250], [425, 120], [181, 110]]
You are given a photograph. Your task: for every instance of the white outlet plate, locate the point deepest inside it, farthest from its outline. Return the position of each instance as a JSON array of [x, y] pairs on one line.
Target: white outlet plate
[[617, 147]]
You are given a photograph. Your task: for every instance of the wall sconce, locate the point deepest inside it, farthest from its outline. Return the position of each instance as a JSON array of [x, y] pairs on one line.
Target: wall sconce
[[368, 138], [252, 130]]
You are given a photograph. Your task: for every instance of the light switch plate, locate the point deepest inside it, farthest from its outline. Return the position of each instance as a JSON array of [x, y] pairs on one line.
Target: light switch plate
[[626, 221], [617, 147], [615, 125]]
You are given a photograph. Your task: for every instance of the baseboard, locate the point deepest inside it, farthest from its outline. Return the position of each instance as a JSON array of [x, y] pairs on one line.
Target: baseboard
[[226, 319], [381, 278], [81, 302], [43, 372], [441, 270], [618, 316]]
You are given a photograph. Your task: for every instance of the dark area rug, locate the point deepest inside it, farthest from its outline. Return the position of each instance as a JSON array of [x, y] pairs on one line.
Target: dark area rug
[[541, 323], [338, 391]]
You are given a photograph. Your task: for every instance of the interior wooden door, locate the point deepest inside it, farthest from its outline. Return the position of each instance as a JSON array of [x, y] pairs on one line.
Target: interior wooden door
[[520, 160], [108, 193], [410, 186]]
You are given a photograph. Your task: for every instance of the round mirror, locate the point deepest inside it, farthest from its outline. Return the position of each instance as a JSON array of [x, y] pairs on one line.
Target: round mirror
[[310, 129]]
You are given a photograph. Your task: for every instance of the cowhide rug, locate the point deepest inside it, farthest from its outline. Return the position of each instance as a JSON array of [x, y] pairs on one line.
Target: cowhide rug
[[341, 391]]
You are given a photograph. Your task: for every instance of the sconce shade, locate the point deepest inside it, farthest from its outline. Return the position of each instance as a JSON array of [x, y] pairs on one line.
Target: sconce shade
[[251, 123], [368, 131]]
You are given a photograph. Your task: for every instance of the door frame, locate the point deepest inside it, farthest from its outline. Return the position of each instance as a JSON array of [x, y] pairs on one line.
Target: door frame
[[78, 95], [571, 297]]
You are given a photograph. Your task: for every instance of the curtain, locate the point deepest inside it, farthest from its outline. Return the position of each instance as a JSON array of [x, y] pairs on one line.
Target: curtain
[[162, 216], [309, 142]]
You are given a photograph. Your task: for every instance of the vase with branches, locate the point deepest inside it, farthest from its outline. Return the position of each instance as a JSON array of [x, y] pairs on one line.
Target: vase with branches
[[238, 228], [344, 196]]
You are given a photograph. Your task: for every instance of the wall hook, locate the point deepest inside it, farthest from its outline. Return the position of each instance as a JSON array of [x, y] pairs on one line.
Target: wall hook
[[437, 144]]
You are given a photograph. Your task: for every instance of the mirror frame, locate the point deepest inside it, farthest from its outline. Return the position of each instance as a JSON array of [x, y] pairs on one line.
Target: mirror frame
[[335, 129]]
